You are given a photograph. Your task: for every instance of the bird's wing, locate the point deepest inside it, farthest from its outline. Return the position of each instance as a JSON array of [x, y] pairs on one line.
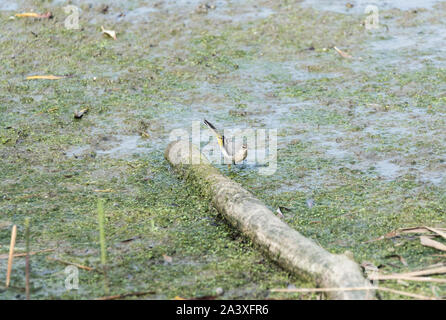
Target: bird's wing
[[240, 155]]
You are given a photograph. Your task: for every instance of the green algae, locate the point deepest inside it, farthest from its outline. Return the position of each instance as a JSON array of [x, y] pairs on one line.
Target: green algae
[[150, 80]]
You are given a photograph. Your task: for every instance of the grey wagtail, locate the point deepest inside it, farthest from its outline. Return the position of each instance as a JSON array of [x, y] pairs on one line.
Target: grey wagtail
[[238, 156]]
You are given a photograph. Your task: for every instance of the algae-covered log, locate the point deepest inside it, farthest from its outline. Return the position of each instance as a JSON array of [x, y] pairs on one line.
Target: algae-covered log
[[283, 244]]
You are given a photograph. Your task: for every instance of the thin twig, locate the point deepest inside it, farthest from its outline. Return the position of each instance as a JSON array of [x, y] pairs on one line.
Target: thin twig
[[120, 296], [400, 231], [437, 231], [17, 255], [342, 53], [71, 264], [27, 266], [425, 272], [310, 290], [425, 241], [407, 278], [11, 254], [101, 220]]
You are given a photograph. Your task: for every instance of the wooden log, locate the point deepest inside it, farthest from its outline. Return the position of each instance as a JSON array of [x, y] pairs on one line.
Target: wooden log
[[283, 244]]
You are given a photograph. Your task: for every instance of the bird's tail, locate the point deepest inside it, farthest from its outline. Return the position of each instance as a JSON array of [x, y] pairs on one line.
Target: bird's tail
[[220, 138], [210, 125]]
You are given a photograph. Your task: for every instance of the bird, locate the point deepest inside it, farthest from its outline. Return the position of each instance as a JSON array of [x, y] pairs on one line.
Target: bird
[[235, 158]]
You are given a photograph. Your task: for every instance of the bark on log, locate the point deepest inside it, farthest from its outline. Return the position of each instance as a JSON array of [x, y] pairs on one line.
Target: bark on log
[[286, 246]]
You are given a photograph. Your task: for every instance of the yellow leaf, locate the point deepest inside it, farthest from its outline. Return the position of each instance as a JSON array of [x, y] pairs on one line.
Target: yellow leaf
[[106, 190], [342, 53], [28, 15], [110, 33], [49, 77], [144, 134], [80, 114], [167, 259], [47, 15]]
